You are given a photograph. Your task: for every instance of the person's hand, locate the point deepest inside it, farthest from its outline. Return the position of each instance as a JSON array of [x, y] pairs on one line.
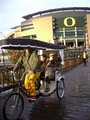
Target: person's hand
[[30, 72]]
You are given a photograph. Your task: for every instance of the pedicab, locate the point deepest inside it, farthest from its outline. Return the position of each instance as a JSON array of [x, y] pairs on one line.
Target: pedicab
[[14, 103]]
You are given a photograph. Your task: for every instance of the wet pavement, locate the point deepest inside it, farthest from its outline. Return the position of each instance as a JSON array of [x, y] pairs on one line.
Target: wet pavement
[[74, 106]]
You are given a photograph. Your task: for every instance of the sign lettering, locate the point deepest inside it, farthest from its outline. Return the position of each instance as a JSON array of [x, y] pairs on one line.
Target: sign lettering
[[69, 21]]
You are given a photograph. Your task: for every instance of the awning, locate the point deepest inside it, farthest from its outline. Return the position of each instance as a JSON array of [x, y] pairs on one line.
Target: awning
[[22, 43]]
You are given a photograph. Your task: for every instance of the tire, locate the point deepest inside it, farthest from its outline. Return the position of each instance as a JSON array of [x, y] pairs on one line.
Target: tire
[[60, 88], [13, 107]]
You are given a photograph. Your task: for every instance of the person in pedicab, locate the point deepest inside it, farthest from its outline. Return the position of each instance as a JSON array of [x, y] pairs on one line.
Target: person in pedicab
[[54, 63], [31, 62], [43, 59]]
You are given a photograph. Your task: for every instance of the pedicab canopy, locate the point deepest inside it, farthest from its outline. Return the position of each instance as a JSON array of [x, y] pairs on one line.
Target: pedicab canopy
[[22, 43]]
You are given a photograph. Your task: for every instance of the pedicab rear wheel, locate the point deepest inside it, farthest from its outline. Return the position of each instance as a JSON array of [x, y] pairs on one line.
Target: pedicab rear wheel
[[60, 86]]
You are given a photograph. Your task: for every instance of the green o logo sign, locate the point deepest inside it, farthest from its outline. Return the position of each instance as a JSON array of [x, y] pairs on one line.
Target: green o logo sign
[[69, 21]]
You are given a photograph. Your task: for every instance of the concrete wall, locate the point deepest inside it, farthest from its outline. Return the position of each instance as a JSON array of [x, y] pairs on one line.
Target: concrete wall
[[43, 28]]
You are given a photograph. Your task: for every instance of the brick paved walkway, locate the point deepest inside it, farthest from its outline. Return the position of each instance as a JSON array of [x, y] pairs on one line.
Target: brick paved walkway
[[77, 96]]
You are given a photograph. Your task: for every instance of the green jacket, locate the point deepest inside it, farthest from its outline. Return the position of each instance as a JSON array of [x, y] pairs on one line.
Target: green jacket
[[29, 62]]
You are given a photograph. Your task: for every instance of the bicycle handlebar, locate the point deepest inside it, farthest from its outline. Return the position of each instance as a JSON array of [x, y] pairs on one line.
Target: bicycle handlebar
[[14, 75]]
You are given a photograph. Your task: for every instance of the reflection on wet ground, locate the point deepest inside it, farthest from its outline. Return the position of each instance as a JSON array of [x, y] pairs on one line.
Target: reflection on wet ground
[[74, 106], [46, 108], [49, 109]]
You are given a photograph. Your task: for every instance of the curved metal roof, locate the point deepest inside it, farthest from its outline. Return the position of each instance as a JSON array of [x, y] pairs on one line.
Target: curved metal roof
[[82, 9]]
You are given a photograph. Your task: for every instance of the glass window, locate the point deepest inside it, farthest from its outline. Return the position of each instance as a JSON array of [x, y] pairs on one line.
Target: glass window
[[69, 29], [58, 33], [69, 34], [80, 33]]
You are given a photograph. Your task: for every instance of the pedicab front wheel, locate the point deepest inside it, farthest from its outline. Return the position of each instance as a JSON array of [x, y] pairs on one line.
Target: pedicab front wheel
[[60, 86], [13, 106]]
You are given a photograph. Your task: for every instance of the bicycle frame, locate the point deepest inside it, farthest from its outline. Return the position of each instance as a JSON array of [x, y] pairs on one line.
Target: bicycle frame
[[58, 77], [20, 86]]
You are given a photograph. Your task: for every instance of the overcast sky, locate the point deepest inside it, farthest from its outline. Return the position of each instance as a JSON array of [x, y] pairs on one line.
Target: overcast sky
[[12, 11]]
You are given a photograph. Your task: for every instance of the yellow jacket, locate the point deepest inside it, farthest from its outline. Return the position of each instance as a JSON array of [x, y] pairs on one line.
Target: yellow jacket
[[84, 55]]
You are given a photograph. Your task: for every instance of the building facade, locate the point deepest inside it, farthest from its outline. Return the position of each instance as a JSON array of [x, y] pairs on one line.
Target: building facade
[[68, 26]]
